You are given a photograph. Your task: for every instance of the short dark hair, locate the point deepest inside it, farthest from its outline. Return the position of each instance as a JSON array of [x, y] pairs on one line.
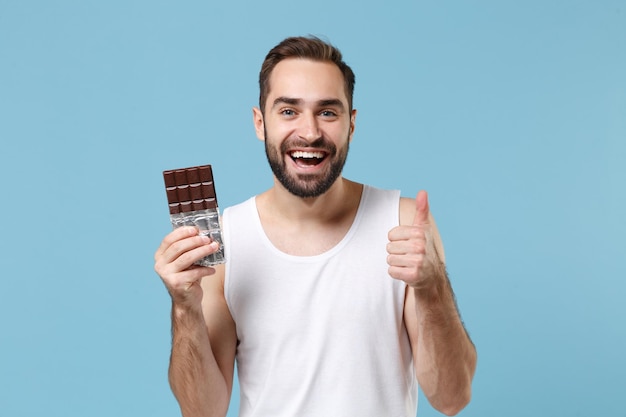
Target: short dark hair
[[309, 47]]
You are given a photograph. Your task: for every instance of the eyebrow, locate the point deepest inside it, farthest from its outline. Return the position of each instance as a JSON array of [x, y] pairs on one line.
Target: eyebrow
[[286, 100], [333, 102]]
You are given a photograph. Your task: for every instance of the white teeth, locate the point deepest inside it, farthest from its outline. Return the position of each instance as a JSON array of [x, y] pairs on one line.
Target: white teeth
[[303, 154]]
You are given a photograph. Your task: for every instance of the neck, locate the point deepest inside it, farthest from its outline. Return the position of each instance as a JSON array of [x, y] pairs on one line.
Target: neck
[[341, 198]]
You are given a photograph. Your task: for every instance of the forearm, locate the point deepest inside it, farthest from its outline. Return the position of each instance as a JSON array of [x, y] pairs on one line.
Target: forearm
[[195, 378], [445, 355]]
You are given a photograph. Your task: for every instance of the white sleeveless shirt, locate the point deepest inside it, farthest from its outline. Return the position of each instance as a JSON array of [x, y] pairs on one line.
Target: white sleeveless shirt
[[320, 335]]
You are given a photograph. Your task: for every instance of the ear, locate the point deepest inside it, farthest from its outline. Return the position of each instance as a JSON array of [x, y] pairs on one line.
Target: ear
[[259, 123], [352, 124]]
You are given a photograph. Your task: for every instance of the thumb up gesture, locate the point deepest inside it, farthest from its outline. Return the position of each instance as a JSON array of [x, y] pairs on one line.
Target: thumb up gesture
[[415, 252]]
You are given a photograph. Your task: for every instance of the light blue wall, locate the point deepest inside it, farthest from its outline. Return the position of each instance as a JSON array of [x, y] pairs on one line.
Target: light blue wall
[[511, 114]]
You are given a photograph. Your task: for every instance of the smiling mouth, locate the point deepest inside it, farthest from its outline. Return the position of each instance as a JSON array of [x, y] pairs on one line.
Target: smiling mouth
[[307, 158]]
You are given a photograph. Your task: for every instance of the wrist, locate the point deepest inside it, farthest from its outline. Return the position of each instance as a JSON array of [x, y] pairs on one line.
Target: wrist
[[184, 310], [435, 289], [432, 277]]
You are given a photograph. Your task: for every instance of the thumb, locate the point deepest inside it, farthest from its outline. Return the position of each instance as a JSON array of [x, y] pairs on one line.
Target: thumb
[[421, 209]]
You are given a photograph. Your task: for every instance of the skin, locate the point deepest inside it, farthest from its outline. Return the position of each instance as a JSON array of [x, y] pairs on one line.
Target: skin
[[307, 102]]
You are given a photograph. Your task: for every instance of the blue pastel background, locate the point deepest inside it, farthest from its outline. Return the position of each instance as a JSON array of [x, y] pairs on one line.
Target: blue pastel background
[[511, 114]]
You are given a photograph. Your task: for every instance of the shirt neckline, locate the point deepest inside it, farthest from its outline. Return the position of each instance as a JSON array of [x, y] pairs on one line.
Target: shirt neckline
[[311, 258]]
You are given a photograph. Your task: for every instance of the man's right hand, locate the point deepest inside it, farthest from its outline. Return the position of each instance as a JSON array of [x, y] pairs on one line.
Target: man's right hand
[[174, 262]]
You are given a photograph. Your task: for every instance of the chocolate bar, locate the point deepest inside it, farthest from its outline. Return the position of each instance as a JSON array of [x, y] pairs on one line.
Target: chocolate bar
[[190, 189], [192, 202]]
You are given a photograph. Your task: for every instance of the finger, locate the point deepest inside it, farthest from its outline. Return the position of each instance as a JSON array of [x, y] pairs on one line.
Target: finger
[[400, 247], [174, 236], [182, 255], [190, 256], [405, 233], [184, 245], [411, 261], [421, 209], [401, 273]]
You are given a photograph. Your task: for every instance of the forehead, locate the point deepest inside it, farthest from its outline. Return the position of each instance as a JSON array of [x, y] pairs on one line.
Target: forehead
[[307, 80]]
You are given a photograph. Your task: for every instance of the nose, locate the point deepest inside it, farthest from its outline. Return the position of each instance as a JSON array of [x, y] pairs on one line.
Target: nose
[[309, 128]]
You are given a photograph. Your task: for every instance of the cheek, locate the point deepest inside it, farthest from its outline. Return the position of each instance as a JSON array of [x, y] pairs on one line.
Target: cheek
[[276, 131]]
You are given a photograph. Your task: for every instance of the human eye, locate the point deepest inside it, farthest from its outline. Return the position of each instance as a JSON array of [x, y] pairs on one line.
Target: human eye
[[287, 112], [328, 113]]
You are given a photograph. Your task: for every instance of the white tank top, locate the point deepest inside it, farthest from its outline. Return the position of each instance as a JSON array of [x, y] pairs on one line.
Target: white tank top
[[319, 335]]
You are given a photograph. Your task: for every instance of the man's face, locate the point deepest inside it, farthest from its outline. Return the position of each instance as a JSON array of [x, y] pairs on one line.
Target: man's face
[[307, 125]]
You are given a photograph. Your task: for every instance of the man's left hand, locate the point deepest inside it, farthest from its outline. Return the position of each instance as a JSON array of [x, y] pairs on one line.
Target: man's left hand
[[412, 255]]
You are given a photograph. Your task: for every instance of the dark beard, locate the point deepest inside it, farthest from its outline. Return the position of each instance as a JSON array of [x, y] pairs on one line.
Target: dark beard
[[307, 185]]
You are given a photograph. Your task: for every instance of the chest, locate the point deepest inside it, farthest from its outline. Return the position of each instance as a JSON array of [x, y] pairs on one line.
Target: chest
[[305, 240]]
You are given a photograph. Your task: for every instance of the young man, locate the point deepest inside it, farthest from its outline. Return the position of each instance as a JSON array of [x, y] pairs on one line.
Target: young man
[[334, 300]]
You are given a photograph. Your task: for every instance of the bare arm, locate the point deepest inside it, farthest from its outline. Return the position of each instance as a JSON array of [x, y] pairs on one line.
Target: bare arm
[[203, 332], [444, 355]]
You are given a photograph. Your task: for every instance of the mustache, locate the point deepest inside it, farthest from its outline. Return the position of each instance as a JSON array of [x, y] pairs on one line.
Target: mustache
[[319, 143]]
